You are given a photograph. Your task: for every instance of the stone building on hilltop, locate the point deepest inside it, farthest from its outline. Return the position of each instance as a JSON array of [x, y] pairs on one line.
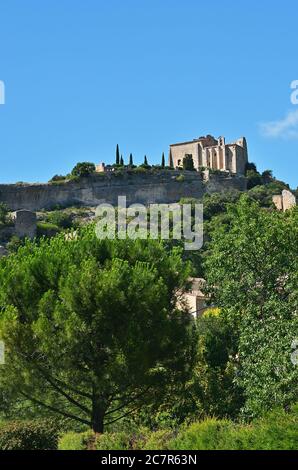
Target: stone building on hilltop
[[215, 154]]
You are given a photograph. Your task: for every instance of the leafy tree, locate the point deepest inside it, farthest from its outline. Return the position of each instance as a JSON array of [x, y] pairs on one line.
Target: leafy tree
[[253, 179], [214, 372], [188, 162], [91, 327], [83, 169], [57, 178], [60, 218], [163, 160], [250, 167], [267, 176], [252, 271], [117, 155], [3, 213]]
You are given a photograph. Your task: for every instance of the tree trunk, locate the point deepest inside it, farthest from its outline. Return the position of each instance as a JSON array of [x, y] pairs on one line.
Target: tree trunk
[[98, 413]]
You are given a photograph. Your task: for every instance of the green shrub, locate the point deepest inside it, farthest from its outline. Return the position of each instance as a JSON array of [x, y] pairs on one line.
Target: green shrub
[[29, 435], [89, 441], [5, 218], [58, 179], [275, 431], [60, 219], [14, 244], [158, 440], [46, 229], [83, 169], [113, 441], [142, 169], [180, 178], [204, 435], [75, 441]]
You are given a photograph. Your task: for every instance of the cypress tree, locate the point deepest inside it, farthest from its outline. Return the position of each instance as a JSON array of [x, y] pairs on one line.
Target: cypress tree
[[117, 155], [121, 161], [130, 160], [171, 160], [145, 161], [163, 160]]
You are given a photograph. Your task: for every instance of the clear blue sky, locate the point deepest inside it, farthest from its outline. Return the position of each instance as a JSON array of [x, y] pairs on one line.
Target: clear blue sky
[[84, 75]]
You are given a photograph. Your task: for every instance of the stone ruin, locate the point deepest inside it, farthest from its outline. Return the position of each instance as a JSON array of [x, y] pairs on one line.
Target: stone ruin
[[286, 200], [25, 223], [24, 226]]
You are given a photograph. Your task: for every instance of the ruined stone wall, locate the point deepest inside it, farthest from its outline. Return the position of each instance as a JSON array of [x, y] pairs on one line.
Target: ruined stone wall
[[284, 201], [179, 152], [159, 187], [25, 223]]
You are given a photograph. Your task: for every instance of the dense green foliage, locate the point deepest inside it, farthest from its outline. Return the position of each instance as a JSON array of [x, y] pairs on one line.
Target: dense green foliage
[[60, 219], [5, 218], [75, 441], [47, 229], [83, 169], [276, 430], [252, 271], [29, 435], [109, 308], [92, 330]]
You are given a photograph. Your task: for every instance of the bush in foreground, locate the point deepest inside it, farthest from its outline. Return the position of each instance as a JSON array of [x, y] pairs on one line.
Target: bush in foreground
[[275, 431], [75, 441], [29, 435]]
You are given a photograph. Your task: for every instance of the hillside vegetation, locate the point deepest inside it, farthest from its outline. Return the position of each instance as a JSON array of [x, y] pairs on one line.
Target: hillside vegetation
[[96, 346]]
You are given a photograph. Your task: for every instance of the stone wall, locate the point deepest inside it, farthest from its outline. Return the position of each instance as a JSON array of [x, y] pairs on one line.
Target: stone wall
[[284, 201], [25, 223], [145, 188]]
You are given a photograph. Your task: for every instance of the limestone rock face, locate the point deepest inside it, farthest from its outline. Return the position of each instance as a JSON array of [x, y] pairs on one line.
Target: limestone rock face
[[277, 201], [286, 200], [148, 188], [289, 200]]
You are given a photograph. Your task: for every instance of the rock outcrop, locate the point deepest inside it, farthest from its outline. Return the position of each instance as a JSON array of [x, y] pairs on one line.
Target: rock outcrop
[[163, 186]]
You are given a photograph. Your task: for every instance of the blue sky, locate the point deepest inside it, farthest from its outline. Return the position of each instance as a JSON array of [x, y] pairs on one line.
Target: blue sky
[[82, 76]]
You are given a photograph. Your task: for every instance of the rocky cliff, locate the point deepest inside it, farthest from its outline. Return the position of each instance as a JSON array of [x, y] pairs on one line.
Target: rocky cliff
[[164, 186]]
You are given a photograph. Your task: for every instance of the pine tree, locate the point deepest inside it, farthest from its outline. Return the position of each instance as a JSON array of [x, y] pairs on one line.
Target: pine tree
[[130, 160], [163, 160], [145, 161], [117, 155]]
